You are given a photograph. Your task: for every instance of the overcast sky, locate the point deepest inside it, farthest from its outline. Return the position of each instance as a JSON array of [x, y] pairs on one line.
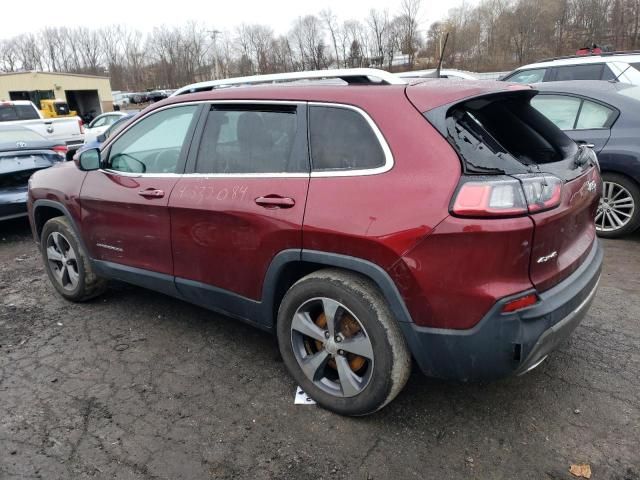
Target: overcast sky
[[32, 15]]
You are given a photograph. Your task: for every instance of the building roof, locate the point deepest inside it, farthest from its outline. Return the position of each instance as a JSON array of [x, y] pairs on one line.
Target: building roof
[[60, 74]]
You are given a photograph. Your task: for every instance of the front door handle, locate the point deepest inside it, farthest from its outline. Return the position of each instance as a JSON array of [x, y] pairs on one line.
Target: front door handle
[[275, 201], [151, 193]]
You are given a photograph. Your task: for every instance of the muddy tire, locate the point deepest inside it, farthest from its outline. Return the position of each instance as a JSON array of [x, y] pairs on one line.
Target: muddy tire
[[340, 342], [66, 262]]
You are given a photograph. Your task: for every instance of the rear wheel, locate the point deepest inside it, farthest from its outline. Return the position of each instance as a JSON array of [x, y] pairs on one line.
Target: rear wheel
[[619, 209], [341, 344], [66, 262]]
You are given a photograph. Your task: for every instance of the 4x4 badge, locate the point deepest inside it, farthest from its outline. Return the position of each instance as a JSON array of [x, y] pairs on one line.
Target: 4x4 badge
[[546, 258]]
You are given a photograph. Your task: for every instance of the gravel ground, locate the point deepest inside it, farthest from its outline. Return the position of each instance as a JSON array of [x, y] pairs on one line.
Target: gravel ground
[[138, 385]]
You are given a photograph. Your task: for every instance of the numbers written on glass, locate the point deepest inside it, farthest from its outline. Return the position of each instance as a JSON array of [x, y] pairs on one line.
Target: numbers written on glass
[[207, 193]]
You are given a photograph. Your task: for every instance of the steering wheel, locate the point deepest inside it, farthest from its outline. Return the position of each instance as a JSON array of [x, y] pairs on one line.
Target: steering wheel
[[166, 161]]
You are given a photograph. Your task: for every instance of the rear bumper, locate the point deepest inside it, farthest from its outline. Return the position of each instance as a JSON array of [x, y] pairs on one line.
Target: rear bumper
[[505, 344], [13, 203]]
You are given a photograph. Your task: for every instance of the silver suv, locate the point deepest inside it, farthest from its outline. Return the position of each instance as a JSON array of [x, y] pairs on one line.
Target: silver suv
[[624, 67]]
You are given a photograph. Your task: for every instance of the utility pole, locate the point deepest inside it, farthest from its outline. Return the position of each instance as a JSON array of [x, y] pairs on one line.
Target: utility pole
[[214, 35]]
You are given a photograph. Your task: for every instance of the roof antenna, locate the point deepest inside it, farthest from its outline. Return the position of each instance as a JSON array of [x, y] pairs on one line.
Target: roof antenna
[[614, 80], [439, 67]]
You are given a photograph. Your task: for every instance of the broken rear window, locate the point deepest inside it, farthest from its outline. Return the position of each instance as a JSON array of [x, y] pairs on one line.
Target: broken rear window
[[503, 133]]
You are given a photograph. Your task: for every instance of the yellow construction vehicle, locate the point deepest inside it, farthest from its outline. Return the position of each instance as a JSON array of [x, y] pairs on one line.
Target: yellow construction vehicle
[[55, 109]]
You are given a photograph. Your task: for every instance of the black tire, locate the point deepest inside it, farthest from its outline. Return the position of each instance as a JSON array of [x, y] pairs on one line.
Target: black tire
[[391, 360], [634, 191], [87, 284]]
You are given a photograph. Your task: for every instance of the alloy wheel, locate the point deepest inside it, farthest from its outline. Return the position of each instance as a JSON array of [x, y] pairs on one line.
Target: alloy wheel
[[332, 347], [616, 208], [62, 261]]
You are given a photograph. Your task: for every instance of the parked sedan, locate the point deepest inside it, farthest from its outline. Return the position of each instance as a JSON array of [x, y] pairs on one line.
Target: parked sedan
[[111, 129], [22, 152], [605, 115], [100, 124]]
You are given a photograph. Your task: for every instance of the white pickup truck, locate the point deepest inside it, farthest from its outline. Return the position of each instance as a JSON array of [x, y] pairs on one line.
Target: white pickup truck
[[68, 130]]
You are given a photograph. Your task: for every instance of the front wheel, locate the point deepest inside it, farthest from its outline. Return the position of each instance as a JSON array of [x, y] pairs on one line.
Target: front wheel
[[619, 209], [340, 342], [66, 262]]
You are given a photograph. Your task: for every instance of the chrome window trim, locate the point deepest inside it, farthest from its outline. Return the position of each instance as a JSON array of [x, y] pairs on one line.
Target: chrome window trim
[[388, 156], [388, 165]]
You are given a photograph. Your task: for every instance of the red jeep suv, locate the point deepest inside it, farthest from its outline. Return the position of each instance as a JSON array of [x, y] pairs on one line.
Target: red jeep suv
[[364, 220]]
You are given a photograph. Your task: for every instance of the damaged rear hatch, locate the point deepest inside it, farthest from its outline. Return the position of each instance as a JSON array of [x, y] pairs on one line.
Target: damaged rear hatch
[[517, 163]]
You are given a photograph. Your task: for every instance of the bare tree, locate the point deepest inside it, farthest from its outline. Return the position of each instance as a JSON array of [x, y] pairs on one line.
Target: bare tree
[[409, 11], [378, 23]]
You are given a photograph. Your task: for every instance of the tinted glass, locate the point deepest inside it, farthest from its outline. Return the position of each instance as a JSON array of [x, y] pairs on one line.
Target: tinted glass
[[594, 115], [341, 139], [153, 145], [607, 73], [9, 113], [636, 65], [579, 72], [249, 140], [528, 76], [561, 110]]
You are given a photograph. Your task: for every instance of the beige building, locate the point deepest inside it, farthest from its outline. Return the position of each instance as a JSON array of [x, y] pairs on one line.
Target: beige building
[[83, 93]]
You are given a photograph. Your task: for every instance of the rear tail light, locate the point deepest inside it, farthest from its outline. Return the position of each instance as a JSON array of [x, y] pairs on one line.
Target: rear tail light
[[81, 125], [520, 303], [61, 150], [542, 192], [507, 196]]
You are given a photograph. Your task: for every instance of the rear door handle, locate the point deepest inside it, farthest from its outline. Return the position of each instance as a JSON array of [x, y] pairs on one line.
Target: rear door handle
[[275, 201], [151, 193]]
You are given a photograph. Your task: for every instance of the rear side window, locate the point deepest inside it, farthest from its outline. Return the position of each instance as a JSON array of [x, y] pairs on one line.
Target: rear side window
[[528, 76], [10, 113], [579, 72], [251, 139], [342, 139], [594, 115], [573, 113], [560, 109]]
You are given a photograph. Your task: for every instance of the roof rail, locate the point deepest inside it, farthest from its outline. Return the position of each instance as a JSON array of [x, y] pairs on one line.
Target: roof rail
[[349, 75], [602, 54]]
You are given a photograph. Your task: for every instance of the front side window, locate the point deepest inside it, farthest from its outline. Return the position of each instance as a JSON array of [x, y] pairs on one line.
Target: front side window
[[342, 139], [528, 76], [560, 109], [251, 139], [154, 144]]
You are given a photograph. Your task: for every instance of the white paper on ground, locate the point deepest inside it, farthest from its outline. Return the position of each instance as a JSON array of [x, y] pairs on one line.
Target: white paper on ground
[[302, 398]]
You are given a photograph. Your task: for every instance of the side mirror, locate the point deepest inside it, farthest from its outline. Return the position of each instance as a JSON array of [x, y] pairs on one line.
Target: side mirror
[[89, 160], [102, 137]]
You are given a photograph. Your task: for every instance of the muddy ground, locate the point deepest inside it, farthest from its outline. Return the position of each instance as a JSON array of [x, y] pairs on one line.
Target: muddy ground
[[138, 385]]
